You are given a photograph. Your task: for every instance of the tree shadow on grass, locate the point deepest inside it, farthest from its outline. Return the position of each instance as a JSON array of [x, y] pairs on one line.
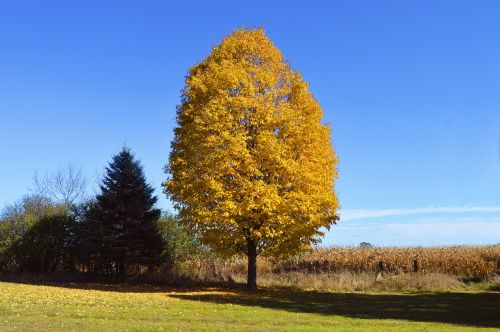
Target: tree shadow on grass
[[71, 281], [469, 309]]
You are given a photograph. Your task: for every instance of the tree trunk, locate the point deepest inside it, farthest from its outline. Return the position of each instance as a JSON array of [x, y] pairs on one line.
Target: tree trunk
[[119, 272], [252, 266], [123, 272]]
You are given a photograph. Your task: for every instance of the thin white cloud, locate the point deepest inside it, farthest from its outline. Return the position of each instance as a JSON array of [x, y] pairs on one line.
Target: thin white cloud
[[423, 231], [366, 213]]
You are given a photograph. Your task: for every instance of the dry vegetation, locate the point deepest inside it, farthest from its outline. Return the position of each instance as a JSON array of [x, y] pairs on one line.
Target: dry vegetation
[[356, 269], [459, 261], [337, 269]]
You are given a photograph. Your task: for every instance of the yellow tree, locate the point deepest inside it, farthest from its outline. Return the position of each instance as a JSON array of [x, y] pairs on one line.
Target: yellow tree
[[252, 168]]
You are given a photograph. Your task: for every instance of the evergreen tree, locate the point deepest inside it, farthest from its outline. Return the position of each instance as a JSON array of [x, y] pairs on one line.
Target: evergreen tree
[[122, 220]]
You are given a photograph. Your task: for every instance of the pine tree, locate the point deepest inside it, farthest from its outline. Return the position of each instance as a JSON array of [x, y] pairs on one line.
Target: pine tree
[[123, 218]]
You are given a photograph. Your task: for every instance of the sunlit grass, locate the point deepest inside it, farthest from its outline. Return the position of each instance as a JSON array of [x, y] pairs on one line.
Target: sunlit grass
[[136, 308]]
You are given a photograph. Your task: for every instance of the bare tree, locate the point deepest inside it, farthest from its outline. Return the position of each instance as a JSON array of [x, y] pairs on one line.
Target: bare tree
[[66, 185]]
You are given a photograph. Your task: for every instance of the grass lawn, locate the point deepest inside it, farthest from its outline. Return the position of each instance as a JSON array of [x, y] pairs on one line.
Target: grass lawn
[[69, 307]]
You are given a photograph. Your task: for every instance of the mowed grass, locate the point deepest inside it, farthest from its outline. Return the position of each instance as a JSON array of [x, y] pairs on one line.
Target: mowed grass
[[68, 307]]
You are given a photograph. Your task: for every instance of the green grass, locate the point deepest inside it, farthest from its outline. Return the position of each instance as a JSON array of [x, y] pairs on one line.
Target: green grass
[[69, 307]]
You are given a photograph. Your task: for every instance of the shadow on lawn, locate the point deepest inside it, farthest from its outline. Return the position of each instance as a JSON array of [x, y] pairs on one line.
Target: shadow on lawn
[[471, 309], [479, 309], [105, 284]]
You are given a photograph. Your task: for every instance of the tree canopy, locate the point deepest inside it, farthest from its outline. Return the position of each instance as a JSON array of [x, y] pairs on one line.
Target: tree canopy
[[252, 168]]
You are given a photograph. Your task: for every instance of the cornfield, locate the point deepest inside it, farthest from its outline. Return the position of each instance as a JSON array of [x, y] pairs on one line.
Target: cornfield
[[461, 261]]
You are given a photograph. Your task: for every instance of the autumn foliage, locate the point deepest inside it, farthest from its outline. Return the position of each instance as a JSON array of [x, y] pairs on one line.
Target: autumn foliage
[[252, 168]]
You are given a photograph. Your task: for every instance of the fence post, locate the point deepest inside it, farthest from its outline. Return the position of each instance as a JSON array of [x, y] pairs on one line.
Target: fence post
[[378, 277]]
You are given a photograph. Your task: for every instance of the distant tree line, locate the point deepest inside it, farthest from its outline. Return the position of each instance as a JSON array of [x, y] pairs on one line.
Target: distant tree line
[[116, 233]]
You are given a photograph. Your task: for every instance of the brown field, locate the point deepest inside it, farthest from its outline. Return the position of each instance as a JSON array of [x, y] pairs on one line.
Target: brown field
[[356, 269], [459, 261]]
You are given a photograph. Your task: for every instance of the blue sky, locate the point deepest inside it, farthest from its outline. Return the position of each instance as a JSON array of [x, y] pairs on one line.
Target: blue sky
[[410, 88]]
